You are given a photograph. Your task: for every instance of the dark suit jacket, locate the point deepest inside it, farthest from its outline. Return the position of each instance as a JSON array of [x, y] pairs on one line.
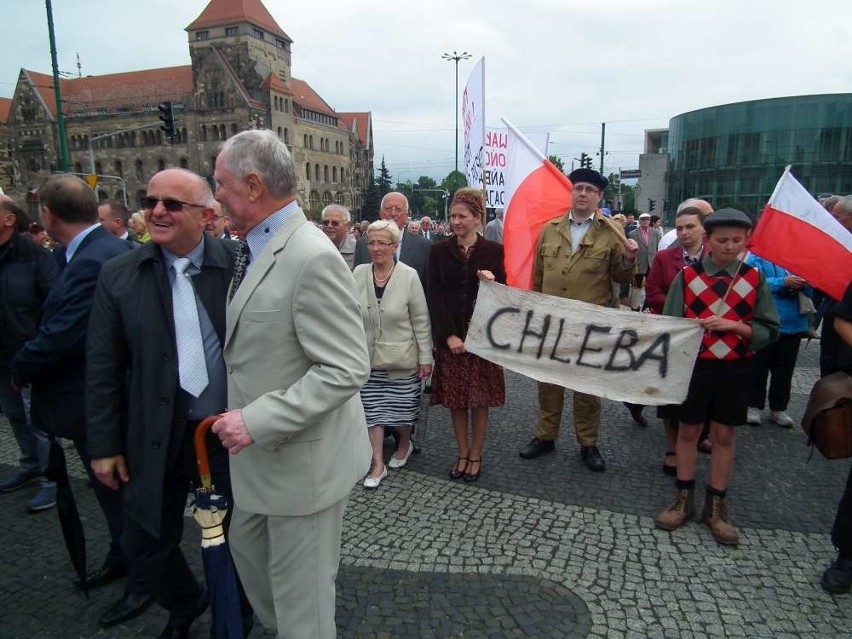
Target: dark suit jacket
[[647, 250], [132, 391], [54, 362], [453, 285], [414, 253]]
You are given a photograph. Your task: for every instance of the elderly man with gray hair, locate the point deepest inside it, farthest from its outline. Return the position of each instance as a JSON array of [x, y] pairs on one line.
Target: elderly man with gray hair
[[296, 429], [335, 224]]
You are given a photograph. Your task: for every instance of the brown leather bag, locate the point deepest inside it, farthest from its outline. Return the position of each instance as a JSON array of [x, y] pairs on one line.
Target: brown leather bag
[[828, 418]]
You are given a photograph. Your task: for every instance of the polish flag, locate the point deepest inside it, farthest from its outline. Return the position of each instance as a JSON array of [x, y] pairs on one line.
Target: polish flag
[[537, 192], [796, 232]]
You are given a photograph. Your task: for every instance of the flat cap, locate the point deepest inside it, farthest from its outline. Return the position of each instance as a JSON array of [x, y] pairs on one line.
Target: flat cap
[[728, 217]]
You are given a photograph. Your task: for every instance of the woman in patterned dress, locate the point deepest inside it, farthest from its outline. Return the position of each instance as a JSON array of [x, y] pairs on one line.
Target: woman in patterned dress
[[465, 383]]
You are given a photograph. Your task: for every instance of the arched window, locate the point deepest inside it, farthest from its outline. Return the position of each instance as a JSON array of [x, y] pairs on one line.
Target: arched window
[[305, 141], [334, 174], [286, 106], [286, 136], [311, 140], [317, 172], [161, 165], [223, 133], [340, 197], [279, 132], [99, 169], [183, 163], [325, 173], [234, 130], [308, 171], [204, 133], [119, 168], [102, 195], [177, 136], [141, 193], [140, 170], [314, 201], [327, 198]]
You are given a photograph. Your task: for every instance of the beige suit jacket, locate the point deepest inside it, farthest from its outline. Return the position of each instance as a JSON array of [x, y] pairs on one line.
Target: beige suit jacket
[[297, 356]]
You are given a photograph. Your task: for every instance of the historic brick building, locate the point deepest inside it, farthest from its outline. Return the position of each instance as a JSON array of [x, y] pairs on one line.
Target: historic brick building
[[239, 78]]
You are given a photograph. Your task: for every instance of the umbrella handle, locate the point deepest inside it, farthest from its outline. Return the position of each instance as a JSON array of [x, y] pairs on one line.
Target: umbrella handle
[[201, 450]]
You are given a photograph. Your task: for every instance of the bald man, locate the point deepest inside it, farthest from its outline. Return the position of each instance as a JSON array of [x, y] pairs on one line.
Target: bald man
[[670, 239]]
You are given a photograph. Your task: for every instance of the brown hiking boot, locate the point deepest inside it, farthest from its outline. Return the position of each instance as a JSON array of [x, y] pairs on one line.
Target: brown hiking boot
[[715, 515], [680, 512]]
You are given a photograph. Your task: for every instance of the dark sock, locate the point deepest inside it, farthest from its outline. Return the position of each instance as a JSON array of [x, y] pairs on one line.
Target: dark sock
[[716, 492], [685, 484]]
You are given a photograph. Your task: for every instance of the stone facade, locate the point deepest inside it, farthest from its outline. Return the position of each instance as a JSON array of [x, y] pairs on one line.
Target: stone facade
[[239, 78]]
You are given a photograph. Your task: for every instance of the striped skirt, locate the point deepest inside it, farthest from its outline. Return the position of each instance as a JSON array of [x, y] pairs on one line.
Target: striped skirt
[[391, 402]]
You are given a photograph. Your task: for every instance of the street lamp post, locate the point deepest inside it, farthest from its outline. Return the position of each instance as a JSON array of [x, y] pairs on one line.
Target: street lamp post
[[455, 56]]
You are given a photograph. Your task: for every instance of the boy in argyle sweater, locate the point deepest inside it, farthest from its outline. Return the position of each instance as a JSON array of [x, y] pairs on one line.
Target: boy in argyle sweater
[[733, 304]]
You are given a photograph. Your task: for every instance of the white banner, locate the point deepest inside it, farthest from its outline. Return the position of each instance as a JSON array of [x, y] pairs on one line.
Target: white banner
[[473, 121], [497, 153], [619, 355]]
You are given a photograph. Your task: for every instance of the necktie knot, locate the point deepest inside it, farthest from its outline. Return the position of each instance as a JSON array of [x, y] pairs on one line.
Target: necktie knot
[[181, 264]]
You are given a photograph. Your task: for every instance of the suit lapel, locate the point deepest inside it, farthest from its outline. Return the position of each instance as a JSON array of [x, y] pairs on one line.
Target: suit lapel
[[258, 269]]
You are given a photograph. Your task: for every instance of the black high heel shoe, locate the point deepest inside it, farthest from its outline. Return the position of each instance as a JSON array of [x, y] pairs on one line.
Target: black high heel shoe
[[471, 477], [455, 473]]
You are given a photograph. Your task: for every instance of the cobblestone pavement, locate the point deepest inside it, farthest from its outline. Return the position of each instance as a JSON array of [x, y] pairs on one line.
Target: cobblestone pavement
[[539, 548]]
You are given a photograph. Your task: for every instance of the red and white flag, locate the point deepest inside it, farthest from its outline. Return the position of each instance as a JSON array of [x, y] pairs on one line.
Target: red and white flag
[[796, 232], [537, 192]]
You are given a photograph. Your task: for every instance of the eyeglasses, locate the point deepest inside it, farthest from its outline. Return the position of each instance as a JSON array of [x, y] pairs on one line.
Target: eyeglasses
[[334, 223], [584, 188], [170, 204], [379, 243]]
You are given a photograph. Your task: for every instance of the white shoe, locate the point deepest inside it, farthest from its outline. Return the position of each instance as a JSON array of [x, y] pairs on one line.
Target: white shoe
[[753, 416], [373, 482], [399, 463], [781, 418]]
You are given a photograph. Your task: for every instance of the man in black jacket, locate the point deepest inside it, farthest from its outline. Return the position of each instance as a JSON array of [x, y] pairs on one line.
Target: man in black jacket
[[26, 274]]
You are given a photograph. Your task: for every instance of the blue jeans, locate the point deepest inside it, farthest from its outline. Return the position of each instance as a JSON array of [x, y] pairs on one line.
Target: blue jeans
[[32, 443]]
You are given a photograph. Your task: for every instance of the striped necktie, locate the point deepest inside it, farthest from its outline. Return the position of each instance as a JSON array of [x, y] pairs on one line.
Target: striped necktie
[[241, 260], [192, 365]]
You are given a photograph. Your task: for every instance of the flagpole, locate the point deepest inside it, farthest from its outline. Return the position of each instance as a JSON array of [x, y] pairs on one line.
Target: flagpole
[[532, 147]]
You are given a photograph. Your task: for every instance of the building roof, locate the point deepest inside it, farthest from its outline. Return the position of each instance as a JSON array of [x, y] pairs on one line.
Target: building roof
[[5, 108], [307, 98], [275, 83], [228, 12], [359, 123], [114, 91]]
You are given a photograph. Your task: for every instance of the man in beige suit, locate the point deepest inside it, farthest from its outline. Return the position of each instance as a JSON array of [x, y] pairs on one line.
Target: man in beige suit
[[296, 429]]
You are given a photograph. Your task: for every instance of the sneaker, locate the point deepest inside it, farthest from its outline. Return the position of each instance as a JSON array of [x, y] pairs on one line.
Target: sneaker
[[19, 479], [753, 416], [781, 418], [45, 498]]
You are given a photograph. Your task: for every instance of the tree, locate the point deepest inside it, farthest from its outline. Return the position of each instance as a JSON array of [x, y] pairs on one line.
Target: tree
[[455, 180], [557, 162], [384, 180], [372, 201]]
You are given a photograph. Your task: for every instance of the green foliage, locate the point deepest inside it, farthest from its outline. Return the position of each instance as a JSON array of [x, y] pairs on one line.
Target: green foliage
[[557, 162], [454, 180], [384, 180]]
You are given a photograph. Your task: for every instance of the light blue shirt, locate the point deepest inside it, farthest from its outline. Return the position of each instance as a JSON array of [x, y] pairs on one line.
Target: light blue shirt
[[578, 230], [74, 244], [259, 236]]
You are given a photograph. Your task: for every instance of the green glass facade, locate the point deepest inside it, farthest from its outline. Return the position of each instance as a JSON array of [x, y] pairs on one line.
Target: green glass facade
[[733, 155]]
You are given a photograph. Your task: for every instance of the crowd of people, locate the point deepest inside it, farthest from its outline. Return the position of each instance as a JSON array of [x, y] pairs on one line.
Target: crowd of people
[[230, 302]]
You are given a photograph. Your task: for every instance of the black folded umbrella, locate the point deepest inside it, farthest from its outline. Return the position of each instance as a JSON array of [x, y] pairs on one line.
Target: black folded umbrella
[[66, 508]]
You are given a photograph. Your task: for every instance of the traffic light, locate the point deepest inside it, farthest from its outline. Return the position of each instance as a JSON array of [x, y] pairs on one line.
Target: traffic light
[[585, 161], [652, 204], [665, 206], [167, 115]]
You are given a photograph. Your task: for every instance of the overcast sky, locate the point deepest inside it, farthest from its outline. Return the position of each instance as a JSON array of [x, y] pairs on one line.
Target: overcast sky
[[561, 66]]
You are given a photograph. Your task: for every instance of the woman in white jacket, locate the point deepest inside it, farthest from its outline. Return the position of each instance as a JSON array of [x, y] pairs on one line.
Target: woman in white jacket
[[399, 336]]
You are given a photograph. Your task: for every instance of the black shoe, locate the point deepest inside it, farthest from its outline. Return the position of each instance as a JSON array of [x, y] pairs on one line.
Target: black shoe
[[470, 477], [107, 573], [180, 630], [837, 578], [636, 414], [592, 458], [130, 606], [537, 447]]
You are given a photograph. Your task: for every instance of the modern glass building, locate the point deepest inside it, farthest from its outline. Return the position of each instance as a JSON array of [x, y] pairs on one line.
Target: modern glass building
[[734, 154]]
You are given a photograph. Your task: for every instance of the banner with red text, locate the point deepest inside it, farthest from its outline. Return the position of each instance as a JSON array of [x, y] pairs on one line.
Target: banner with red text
[[473, 122]]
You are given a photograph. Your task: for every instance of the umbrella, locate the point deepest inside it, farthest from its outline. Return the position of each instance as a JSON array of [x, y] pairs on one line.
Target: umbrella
[[66, 508], [209, 510]]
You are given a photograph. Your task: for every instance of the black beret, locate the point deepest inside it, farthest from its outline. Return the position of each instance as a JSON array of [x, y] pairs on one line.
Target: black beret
[[589, 176], [727, 217]]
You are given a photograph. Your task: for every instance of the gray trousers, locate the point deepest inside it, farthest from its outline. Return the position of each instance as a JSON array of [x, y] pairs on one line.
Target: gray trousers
[[32, 443]]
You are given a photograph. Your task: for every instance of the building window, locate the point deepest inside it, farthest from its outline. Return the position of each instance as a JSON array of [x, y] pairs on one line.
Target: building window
[[99, 169], [161, 165], [325, 173], [280, 43], [257, 33], [140, 170], [317, 172], [78, 168], [233, 129], [119, 168], [308, 171], [204, 133], [231, 31], [286, 106], [202, 35], [286, 136], [334, 174], [279, 132], [183, 163], [305, 141]]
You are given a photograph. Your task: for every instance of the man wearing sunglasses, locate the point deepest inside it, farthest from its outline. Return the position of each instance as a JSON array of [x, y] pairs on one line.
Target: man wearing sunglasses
[[335, 224], [155, 370]]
